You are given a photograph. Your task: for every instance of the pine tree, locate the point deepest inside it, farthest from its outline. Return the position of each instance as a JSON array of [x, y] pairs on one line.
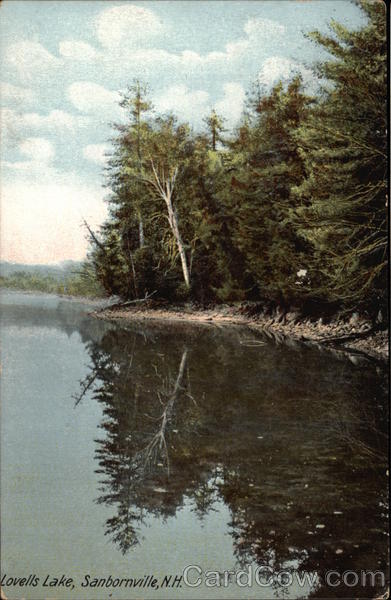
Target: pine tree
[[291, 209], [215, 125], [270, 165], [344, 146], [123, 259], [136, 102]]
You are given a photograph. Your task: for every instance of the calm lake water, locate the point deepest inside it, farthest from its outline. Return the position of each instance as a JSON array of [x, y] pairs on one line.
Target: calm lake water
[[140, 449]]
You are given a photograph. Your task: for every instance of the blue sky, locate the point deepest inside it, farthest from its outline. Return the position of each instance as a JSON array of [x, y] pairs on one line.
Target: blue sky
[[64, 64]]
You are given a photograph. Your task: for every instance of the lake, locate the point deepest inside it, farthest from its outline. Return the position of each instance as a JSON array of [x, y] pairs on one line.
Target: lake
[[132, 451]]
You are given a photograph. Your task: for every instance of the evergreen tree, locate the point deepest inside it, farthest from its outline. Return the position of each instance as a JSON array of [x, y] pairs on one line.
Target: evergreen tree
[[134, 142], [270, 165], [215, 127], [291, 209], [123, 255], [344, 146]]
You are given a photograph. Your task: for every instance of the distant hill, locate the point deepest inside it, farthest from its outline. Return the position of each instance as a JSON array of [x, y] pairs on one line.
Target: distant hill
[[69, 277], [60, 269]]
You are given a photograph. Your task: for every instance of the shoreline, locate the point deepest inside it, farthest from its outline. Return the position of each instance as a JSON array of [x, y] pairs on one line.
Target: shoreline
[[289, 326], [352, 336]]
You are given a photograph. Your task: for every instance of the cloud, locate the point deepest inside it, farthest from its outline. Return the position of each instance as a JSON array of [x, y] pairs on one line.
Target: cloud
[[42, 223], [96, 153], [77, 50], [89, 97], [16, 94], [231, 105], [257, 31], [278, 68], [17, 125], [233, 50], [129, 47], [39, 152], [127, 25], [56, 121], [38, 149], [187, 104], [192, 106], [30, 59]]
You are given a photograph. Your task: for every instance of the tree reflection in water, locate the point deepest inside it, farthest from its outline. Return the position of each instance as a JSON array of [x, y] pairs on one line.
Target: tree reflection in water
[[293, 441]]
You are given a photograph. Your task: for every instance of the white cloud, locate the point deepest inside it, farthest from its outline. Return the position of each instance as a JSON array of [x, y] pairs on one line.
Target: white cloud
[[37, 166], [257, 32], [231, 105], [57, 121], [278, 68], [236, 49], [77, 50], [129, 47], [16, 125], [30, 59], [126, 33], [192, 105], [91, 97], [16, 94], [96, 153], [37, 149], [127, 25], [275, 68], [42, 223], [188, 105]]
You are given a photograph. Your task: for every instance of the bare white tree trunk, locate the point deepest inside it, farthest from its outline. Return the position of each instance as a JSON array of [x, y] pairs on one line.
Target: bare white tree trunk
[[165, 188]]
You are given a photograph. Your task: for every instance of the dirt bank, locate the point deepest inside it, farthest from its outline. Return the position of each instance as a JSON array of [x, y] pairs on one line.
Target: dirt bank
[[354, 335]]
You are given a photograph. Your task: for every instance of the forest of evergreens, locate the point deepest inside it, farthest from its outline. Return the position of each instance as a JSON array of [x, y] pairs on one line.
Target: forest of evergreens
[[289, 209]]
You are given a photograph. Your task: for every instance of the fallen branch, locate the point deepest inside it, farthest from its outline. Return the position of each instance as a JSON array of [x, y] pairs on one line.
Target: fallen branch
[[128, 302]]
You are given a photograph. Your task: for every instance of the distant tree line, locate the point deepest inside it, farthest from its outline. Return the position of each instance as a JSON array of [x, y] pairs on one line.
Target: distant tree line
[[288, 209], [76, 283]]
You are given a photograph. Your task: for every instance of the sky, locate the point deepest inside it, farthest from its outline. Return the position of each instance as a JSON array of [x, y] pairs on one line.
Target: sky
[[64, 65]]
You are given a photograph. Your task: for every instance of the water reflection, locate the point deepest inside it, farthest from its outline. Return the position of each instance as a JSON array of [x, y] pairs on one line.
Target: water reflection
[[40, 313], [292, 441]]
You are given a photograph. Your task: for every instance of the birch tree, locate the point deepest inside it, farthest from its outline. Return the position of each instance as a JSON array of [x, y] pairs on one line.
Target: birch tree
[[164, 186]]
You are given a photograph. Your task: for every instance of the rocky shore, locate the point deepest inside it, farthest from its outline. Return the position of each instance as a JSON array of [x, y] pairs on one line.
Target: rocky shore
[[354, 335]]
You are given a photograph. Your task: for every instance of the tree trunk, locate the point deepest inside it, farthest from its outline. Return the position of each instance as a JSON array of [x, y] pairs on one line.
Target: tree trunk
[[173, 220], [165, 188]]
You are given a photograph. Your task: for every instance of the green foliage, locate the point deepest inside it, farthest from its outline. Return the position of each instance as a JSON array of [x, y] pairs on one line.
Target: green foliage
[[343, 197], [289, 208], [215, 126], [83, 283], [261, 186]]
